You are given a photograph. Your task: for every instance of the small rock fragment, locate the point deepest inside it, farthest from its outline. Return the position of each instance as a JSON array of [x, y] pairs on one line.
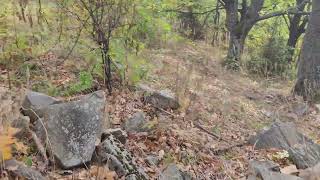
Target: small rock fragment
[[172, 172], [137, 123], [20, 170], [152, 160], [164, 99]]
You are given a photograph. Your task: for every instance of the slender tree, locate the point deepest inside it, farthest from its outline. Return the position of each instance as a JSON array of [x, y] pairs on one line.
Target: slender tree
[[297, 26], [308, 80]]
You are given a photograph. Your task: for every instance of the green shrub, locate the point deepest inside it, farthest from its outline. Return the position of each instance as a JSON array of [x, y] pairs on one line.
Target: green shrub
[[85, 82], [271, 59]]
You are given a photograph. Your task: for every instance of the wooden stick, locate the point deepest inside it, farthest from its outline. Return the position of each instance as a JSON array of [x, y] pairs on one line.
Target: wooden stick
[[197, 125]]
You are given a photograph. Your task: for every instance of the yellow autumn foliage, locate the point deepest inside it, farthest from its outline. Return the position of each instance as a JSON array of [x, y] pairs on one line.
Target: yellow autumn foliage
[[7, 140]]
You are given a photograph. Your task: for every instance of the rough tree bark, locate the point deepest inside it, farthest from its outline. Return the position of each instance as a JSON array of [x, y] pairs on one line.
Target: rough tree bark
[[239, 27], [308, 80], [297, 26]]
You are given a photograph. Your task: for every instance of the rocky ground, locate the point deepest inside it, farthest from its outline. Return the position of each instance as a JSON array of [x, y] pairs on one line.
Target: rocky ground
[[190, 119]]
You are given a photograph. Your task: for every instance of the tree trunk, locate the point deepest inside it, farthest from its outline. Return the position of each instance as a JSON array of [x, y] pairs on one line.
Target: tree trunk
[[308, 80], [296, 29], [239, 28]]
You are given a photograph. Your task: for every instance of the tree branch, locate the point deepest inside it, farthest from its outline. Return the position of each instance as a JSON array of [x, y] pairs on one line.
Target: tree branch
[[295, 10]]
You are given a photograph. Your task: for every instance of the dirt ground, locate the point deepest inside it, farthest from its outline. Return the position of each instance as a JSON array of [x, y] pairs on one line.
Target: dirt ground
[[219, 111]]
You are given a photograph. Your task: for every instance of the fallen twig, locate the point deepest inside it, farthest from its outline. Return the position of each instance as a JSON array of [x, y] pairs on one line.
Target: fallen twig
[[224, 150], [197, 125], [167, 112]]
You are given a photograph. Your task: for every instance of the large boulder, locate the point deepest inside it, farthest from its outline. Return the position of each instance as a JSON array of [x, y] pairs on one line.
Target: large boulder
[[34, 103], [118, 159], [305, 155], [72, 129], [280, 135]]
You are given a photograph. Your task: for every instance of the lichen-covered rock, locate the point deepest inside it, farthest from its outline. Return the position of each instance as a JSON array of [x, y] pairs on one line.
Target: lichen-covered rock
[[280, 135], [305, 155], [117, 133], [72, 129], [34, 103], [118, 158]]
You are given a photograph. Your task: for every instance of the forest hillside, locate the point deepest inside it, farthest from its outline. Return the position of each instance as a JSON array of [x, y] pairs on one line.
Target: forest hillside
[[159, 89]]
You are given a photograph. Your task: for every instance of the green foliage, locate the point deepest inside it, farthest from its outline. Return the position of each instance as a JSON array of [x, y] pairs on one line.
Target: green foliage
[[85, 82], [268, 53]]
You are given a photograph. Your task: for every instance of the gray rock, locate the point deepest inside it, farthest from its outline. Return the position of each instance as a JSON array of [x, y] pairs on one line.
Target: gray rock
[[22, 123], [152, 160], [131, 177], [305, 155], [258, 166], [20, 170], [34, 103], [144, 89], [137, 123], [300, 109], [312, 173], [164, 99], [280, 135], [118, 158], [117, 133], [267, 170], [172, 172], [72, 129]]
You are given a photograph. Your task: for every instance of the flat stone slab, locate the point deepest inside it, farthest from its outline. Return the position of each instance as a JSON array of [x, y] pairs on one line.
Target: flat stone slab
[[280, 135], [72, 129]]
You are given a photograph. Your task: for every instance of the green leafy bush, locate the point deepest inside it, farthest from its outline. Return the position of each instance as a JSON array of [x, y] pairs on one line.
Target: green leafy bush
[[272, 58], [85, 82]]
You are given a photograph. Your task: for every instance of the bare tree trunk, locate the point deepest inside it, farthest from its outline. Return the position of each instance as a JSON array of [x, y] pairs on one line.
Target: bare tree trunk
[[239, 28], [308, 80]]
